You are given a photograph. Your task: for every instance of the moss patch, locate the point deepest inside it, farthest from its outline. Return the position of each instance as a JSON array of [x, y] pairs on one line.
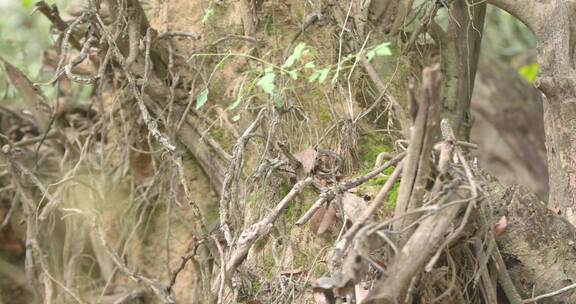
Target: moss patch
[[370, 147]]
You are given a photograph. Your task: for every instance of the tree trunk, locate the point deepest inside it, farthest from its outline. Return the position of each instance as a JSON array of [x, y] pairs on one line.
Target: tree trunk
[[552, 24]]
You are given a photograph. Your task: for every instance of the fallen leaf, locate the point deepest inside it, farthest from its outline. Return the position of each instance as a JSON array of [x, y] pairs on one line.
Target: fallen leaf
[[307, 158], [9, 242], [141, 167], [328, 220], [500, 227], [316, 219]]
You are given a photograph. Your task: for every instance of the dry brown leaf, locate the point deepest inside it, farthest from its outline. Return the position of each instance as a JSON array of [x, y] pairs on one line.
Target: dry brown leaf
[[500, 227], [141, 167], [328, 220], [316, 219], [9, 242], [307, 158]]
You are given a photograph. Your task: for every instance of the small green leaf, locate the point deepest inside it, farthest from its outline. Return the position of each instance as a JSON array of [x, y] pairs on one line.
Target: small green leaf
[[293, 74], [207, 14], [382, 49], [296, 54], [277, 101], [349, 57], [221, 62], [201, 99], [314, 76], [236, 118], [323, 75], [238, 98], [267, 82], [310, 65], [26, 3], [529, 72], [335, 78]]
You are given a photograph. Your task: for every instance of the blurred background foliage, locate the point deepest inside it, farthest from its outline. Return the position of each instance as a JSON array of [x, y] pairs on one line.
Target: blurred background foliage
[[23, 38], [506, 38]]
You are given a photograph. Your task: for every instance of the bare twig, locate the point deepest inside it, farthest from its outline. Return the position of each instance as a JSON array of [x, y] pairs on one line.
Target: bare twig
[[369, 212], [233, 175], [329, 194], [417, 164], [261, 228]]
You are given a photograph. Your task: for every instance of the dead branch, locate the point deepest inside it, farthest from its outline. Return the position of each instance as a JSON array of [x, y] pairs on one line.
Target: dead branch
[[362, 220], [51, 12], [412, 258], [262, 228], [233, 176], [329, 194], [424, 130]]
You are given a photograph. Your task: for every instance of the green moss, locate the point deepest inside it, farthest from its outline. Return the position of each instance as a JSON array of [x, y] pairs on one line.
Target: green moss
[[268, 25], [255, 287], [293, 210], [378, 181], [218, 134], [284, 190], [371, 147], [320, 270], [393, 196], [324, 116]]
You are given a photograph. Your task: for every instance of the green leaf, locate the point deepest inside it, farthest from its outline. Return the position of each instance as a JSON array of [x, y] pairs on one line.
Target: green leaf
[[277, 101], [529, 72], [314, 76], [296, 54], [267, 82], [319, 75], [238, 98], [382, 49], [221, 62], [207, 14], [335, 78], [201, 99], [310, 65], [26, 3], [323, 75], [349, 57], [235, 118], [293, 74]]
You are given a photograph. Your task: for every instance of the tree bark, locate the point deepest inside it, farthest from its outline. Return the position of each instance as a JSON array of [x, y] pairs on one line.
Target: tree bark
[[460, 60], [552, 23]]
